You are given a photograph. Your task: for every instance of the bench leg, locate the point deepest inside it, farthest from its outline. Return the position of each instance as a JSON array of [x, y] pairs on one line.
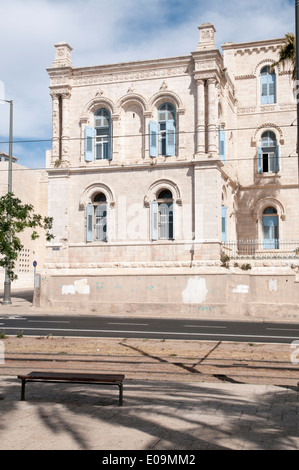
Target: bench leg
[[120, 394], [23, 389]]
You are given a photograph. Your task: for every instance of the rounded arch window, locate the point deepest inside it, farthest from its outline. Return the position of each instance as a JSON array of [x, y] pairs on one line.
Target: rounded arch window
[[102, 118], [166, 112], [165, 194], [270, 211], [165, 208], [268, 85], [166, 129], [268, 139], [268, 153], [102, 134], [96, 219], [100, 198], [270, 228]]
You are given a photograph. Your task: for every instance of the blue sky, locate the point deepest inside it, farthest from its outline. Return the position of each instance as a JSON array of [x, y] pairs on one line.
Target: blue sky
[[108, 32]]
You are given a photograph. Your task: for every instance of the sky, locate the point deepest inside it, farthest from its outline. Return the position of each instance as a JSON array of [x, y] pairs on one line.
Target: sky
[[103, 32]]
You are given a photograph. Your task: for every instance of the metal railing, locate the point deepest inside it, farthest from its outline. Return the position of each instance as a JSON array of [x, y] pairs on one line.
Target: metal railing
[[261, 249]]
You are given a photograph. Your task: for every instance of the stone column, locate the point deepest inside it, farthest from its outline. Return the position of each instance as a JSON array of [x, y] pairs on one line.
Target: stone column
[[212, 117], [55, 128], [115, 138], [146, 142], [83, 123], [65, 137], [200, 123]]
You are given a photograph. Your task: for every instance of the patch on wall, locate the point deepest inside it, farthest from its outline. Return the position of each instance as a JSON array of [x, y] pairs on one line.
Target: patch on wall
[[79, 287], [241, 289], [195, 291], [272, 285]]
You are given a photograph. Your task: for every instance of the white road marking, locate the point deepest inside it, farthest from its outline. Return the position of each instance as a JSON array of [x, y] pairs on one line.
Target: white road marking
[[162, 333], [283, 329], [204, 326], [136, 324], [48, 321]]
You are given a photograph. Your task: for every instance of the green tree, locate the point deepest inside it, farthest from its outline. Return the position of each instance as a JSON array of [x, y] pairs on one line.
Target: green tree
[[15, 217], [287, 53]]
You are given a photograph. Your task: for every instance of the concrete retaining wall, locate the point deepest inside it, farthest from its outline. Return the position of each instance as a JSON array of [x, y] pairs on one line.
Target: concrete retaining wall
[[220, 294]]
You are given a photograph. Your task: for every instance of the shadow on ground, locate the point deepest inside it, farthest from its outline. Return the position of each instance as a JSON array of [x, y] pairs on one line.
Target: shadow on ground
[[20, 294], [155, 416]]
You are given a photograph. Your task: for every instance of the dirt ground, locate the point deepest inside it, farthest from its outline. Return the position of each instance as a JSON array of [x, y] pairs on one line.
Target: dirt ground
[[149, 359], [150, 347]]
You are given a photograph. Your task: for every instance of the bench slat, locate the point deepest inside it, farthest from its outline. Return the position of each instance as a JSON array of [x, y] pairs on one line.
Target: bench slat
[[73, 376]]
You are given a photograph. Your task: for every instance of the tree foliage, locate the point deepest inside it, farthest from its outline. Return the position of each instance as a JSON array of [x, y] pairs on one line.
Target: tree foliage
[[288, 53], [15, 217]]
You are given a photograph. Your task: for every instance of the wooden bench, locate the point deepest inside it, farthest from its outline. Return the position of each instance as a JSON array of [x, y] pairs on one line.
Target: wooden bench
[[74, 377]]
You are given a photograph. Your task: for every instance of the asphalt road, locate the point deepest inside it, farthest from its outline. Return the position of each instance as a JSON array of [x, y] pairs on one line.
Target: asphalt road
[[179, 329]]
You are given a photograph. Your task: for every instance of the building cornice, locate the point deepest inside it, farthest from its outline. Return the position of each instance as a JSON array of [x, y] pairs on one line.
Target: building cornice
[[143, 166], [253, 44]]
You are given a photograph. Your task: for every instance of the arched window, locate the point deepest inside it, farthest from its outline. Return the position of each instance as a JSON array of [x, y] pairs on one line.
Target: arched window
[[96, 219], [162, 135], [162, 216], [165, 210], [268, 154], [166, 129], [268, 85], [270, 228], [102, 135], [223, 223], [98, 138]]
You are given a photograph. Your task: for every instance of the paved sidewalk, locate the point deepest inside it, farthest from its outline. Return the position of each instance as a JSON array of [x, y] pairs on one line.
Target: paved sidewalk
[[155, 416]]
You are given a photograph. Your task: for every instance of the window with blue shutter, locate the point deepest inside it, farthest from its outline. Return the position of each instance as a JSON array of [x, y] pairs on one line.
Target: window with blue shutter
[[259, 160], [89, 222], [277, 159], [223, 223], [170, 138], [163, 216], [268, 85], [96, 219], [103, 147], [270, 229], [153, 139], [101, 223], [171, 220], [167, 134], [166, 221], [222, 144], [89, 138], [268, 154], [154, 221]]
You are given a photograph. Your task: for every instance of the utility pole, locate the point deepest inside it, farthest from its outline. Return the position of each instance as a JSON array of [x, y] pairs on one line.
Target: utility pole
[[7, 282]]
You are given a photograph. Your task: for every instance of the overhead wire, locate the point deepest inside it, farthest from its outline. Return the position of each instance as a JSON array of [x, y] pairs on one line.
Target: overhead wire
[[143, 135]]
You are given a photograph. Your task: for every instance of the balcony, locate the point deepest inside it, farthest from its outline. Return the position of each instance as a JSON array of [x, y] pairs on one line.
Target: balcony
[[262, 249]]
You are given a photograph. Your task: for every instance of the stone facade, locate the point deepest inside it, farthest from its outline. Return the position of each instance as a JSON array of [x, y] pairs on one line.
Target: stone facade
[[31, 187], [156, 163]]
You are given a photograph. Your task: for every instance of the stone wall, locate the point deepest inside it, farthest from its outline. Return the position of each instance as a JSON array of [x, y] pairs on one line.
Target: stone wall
[[214, 293]]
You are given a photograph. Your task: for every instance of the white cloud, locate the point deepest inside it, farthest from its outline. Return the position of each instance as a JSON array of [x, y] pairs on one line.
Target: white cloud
[[106, 32]]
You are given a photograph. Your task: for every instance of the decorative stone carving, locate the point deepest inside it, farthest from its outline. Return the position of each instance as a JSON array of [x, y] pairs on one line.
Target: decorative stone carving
[[206, 37], [164, 86], [63, 55]]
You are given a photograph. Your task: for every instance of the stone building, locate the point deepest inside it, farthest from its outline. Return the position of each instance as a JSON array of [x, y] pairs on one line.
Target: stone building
[[31, 187], [158, 167]]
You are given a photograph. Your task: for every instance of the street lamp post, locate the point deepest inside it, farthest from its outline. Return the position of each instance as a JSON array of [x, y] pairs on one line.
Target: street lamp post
[[7, 281]]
